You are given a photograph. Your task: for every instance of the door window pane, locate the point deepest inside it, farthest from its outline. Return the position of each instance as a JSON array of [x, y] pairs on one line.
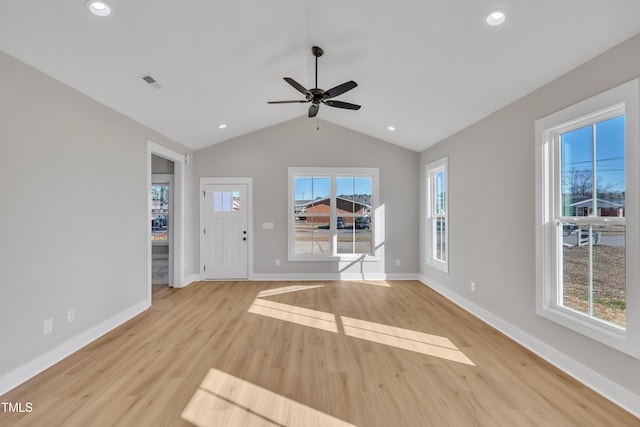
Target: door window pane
[[226, 201]]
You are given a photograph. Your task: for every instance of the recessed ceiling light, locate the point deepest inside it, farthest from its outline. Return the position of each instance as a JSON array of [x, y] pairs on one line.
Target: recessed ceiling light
[[495, 17], [222, 126], [391, 128], [99, 8]]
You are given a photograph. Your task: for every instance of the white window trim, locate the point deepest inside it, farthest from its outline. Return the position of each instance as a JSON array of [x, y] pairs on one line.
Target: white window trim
[[627, 97], [377, 218], [430, 170]]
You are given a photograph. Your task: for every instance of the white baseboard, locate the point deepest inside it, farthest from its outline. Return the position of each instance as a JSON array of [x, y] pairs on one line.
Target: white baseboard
[[332, 276], [27, 371], [190, 279], [403, 276], [597, 382]]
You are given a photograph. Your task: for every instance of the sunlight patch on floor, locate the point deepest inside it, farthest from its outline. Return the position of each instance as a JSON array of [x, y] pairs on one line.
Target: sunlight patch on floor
[[381, 283], [406, 339], [286, 290], [291, 313], [225, 400]]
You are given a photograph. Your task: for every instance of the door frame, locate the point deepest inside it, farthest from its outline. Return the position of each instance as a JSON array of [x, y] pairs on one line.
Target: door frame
[[248, 181], [176, 278]]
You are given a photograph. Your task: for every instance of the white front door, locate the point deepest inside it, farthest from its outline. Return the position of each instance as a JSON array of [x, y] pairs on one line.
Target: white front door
[[225, 231]]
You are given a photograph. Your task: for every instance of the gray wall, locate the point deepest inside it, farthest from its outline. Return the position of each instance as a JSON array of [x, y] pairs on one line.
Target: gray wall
[[160, 165], [73, 191], [265, 155], [491, 208]]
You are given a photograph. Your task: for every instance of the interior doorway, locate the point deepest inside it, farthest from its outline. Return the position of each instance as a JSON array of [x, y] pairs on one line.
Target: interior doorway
[[175, 217]]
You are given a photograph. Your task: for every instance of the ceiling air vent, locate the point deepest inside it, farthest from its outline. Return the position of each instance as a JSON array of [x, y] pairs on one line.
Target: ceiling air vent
[[152, 81]]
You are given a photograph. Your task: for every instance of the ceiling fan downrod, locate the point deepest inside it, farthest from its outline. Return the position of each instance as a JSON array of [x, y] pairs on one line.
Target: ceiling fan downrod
[[317, 52]]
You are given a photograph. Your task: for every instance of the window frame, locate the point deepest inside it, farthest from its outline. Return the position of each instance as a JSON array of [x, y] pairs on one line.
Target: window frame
[[376, 224], [431, 169], [623, 99]]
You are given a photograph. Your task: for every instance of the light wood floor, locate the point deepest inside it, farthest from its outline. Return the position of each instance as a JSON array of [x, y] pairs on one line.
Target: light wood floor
[[315, 353]]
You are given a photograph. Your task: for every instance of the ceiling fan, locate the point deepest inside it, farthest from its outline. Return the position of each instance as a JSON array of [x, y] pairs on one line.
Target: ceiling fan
[[316, 95]]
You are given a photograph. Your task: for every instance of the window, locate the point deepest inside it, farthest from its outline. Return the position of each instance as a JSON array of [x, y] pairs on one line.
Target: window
[[587, 217], [437, 227], [226, 201], [331, 213]]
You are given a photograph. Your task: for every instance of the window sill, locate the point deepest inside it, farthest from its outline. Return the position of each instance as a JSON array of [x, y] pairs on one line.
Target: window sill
[[602, 332], [439, 265]]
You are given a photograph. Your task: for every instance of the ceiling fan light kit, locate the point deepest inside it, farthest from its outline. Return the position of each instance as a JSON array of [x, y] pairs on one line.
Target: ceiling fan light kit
[[319, 96]]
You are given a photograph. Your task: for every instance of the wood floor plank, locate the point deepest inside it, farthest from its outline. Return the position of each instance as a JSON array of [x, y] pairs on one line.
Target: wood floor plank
[[307, 353]]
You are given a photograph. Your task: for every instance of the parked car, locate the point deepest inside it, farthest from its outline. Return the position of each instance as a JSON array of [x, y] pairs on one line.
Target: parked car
[[159, 222], [340, 222], [363, 222]]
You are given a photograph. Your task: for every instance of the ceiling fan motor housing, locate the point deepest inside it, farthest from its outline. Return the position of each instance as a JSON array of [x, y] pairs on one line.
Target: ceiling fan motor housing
[[315, 95], [317, 51]]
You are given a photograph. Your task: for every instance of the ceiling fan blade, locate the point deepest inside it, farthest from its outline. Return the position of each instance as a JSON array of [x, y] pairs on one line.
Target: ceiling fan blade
[[286, 102], [297, 85], [340, 104], [339, 90], [313, 110]]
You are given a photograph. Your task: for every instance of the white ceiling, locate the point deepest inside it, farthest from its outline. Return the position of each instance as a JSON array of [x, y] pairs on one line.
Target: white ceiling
[[427, 67]]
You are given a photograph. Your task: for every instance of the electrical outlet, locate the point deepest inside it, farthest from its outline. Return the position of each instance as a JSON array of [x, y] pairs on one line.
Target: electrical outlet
[[48, 326], [71, 316], [473, 286], [397, 263], [277, 263]]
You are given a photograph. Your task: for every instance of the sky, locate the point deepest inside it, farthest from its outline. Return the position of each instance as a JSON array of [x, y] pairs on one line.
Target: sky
[[577, 152]]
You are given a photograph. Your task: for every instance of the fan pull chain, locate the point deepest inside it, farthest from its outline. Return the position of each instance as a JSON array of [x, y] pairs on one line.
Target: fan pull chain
[[317, 123]]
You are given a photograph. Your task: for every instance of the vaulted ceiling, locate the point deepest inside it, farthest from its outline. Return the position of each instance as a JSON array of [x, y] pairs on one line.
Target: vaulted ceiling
[[429, 68]]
